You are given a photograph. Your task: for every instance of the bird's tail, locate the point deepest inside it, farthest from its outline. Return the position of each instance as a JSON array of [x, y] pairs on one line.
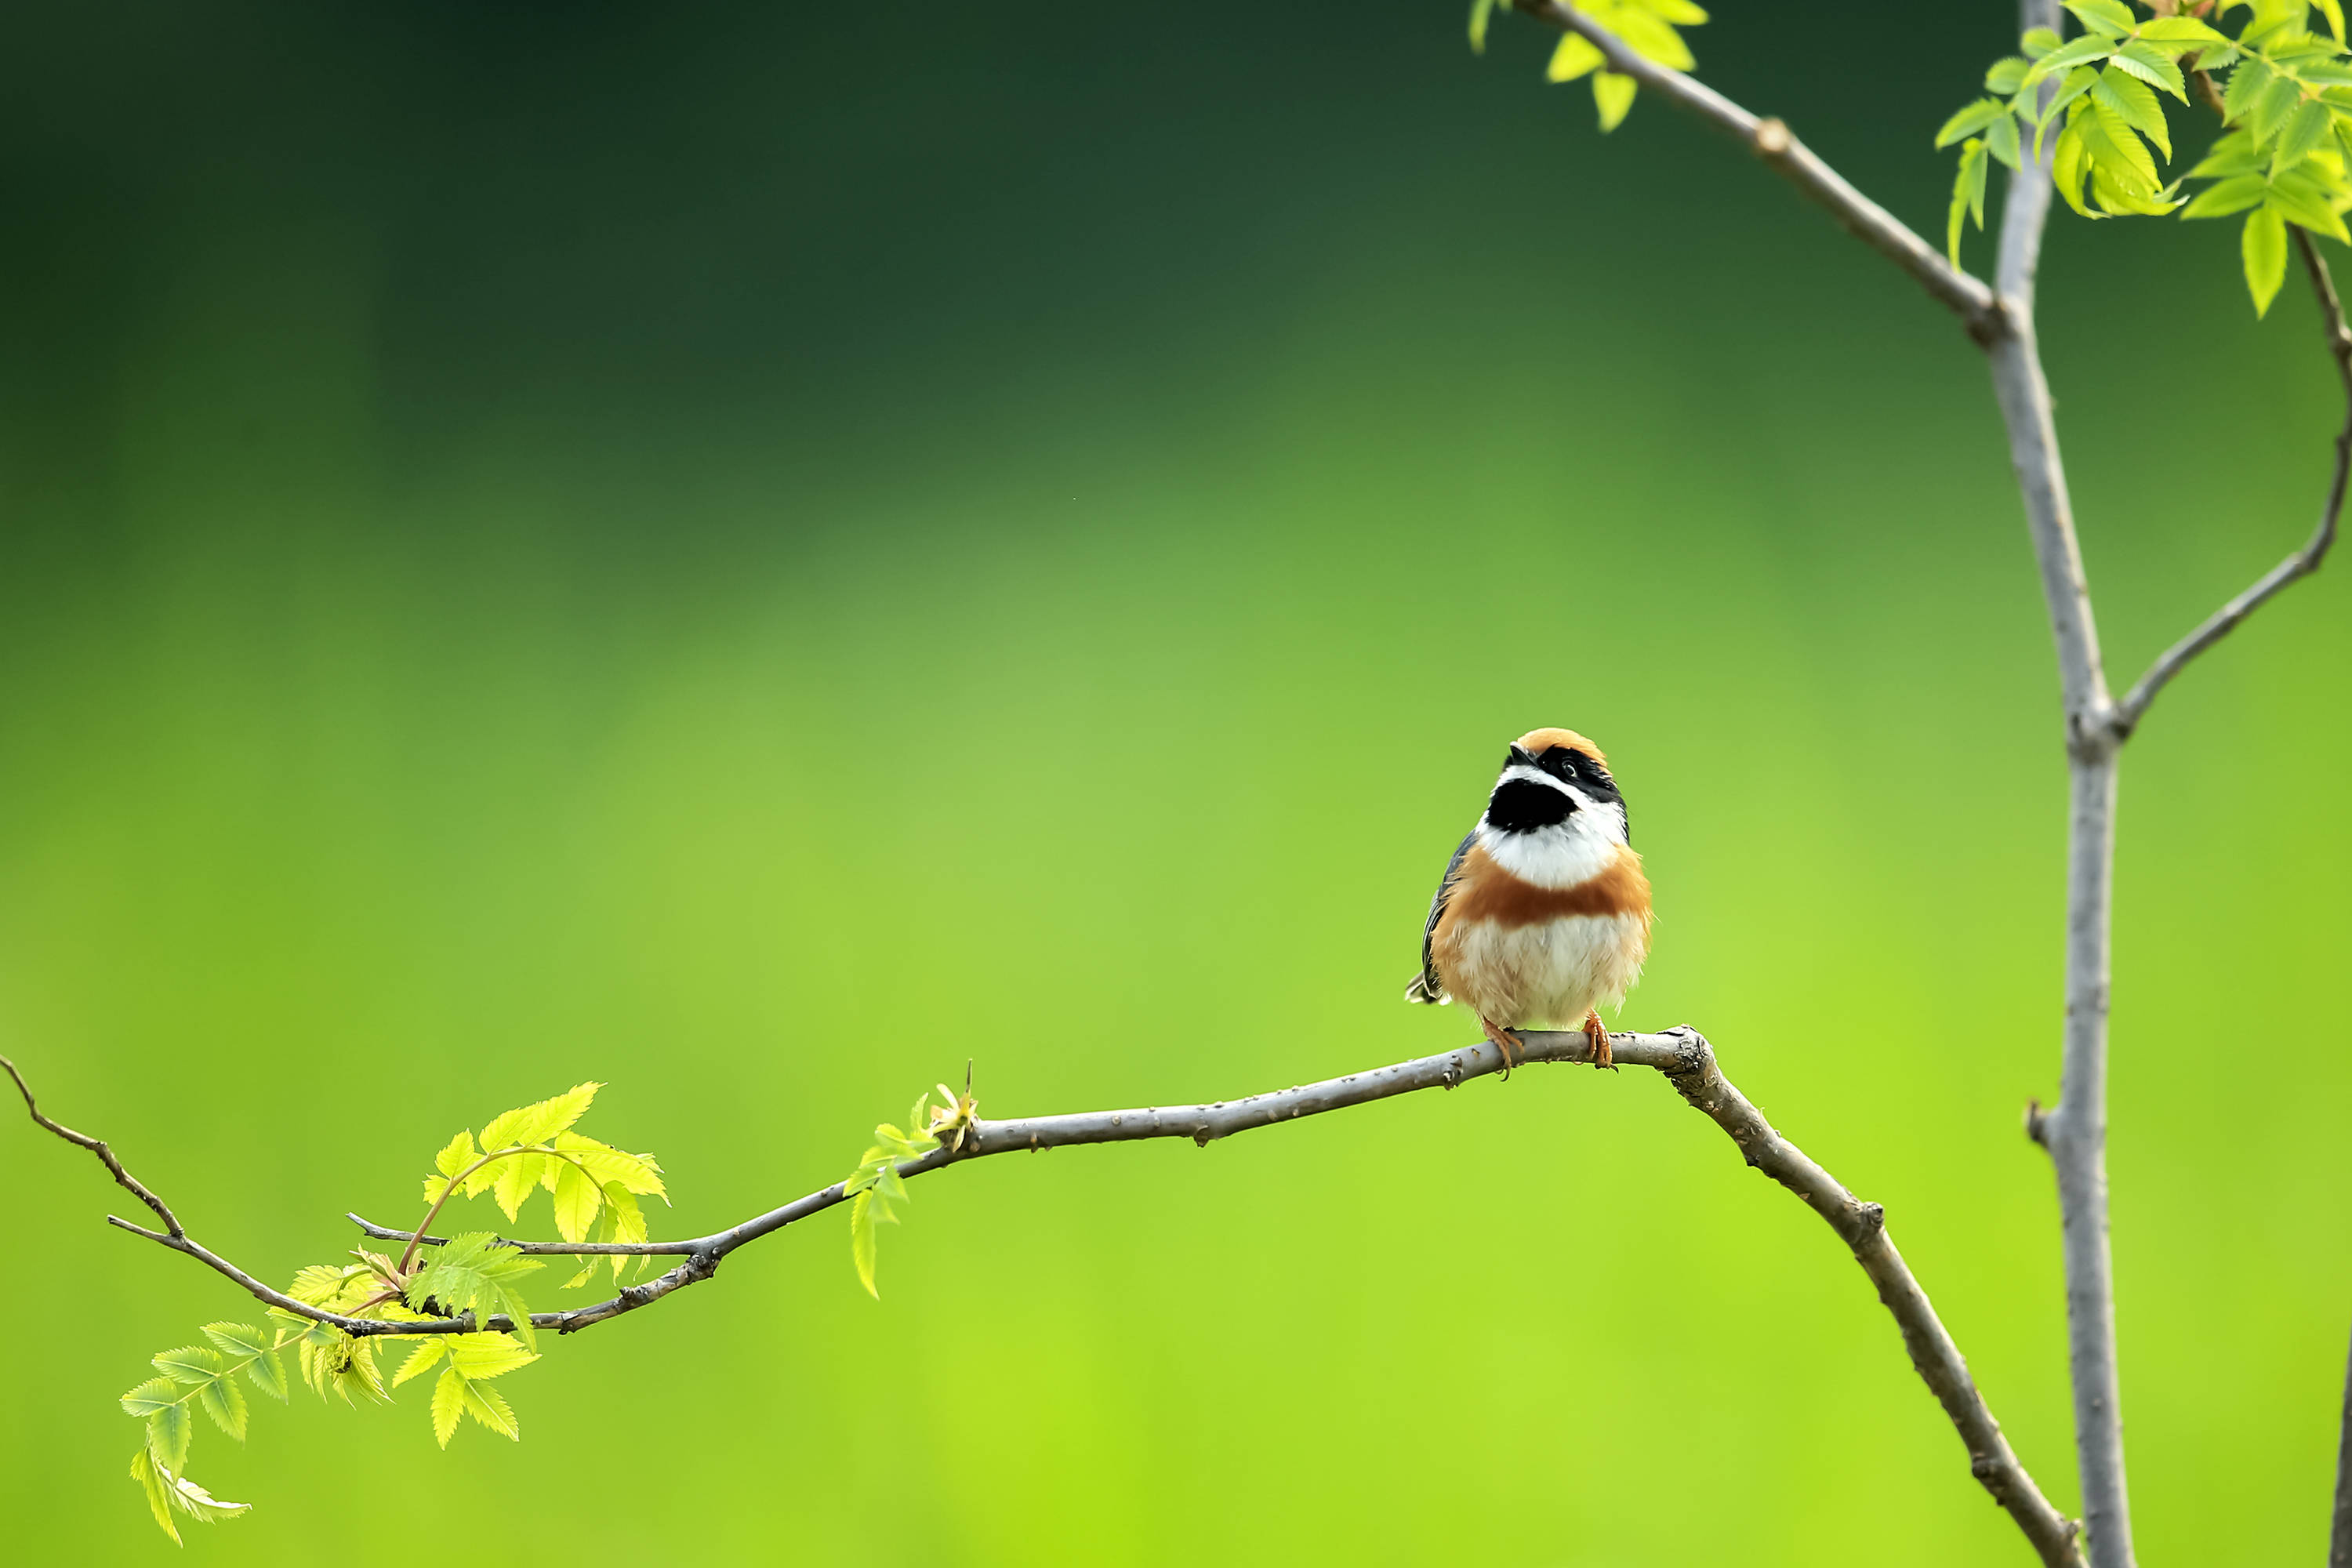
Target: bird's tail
[[1422, 990]]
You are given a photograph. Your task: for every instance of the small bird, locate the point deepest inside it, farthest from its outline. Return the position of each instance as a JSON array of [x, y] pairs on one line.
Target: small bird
[[1543, 912]]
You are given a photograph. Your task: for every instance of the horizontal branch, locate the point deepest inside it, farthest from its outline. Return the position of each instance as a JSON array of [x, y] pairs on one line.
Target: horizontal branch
[[1776, 145], [2302, 562], [1683, 1056]]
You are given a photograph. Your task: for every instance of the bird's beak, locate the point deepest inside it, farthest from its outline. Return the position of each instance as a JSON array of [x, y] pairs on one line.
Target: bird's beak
[[1521, 757]]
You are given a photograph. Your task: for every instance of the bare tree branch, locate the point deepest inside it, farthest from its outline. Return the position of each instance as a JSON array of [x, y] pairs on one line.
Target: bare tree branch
[[2339, 1537], [1771, 141], [1681, 1054], [97, 1146], [2303, 562]]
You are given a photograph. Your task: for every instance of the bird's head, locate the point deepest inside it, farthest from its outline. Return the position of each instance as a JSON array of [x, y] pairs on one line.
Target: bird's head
[[1556, 786]]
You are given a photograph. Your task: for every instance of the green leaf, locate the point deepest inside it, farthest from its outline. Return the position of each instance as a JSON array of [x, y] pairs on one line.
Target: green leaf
[[150, 1397], [2263, 247], [236, 1340], [1650, 36], [355, 1374], [577, 1199], [1479, 11], [2000, 140], [2179, 30], [474, 1274], [2299, 202], [224, 1401], [423, 1359], [2152, 65], [2077, 82], [2247, 83], [486, 1407], [168, 1431], [2271, 110], [537, 1123], [2232, 154], [455, 1154], [1575, 56], [628, 1225], [2037, 42], [142, 1471], [2131, 98], [2109, 16], [2082, 51], [2108, 138], [487, 1355], [518, 1174], [2070, 164], [1614, 96], [2333, 11], [2309, 125], [2234, 195], [637, 1172], [199, 1504], [861, 1240], [2005, 75], [1681, 12], [448, 1402], [268, 1373], [1971, 119], [189, 1365]]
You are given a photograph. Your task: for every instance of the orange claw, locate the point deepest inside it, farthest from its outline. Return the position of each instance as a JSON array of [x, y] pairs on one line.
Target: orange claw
[[1598, 1032], [1505, 1042]]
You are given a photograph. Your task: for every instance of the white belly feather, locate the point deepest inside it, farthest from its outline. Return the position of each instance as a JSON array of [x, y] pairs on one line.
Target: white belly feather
[[1549, 973]]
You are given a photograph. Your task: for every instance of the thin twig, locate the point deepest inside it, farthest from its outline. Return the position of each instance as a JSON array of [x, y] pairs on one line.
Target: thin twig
[[2303, 562], [98, 1147], [2339, 1539], [1772, 141], [1681, 1054]]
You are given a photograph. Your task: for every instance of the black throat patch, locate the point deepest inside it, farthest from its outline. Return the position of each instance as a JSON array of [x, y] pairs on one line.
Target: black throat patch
[[1523, 805]]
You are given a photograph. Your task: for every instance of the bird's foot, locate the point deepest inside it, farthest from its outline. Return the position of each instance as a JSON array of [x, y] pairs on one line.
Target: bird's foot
[[1598, 1032], [1513, 1050]]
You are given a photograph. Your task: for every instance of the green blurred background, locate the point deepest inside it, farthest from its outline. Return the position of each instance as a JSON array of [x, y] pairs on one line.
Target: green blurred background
[[755, 554]]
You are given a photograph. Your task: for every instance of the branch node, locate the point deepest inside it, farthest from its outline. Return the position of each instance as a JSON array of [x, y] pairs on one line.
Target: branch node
[[1770, 138], [2037, 1122], [1870, 1219]]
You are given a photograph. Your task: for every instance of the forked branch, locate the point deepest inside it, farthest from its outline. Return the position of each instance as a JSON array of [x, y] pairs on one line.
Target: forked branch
[[2302, 562], [1681, 1054]]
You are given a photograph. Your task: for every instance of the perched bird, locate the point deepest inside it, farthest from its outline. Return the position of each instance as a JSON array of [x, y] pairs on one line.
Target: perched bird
[[1543, 912]]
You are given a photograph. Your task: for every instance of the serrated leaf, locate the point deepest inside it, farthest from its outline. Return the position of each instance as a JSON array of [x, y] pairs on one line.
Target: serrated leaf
[[488, 1407], [518, 1174], [2069, 165], [1613, 95], [2088, 49], [2071, 89], [2305, 130], [448, 1401], [142, 1471], [224, 1401], [2299, 204], [357, 1373], [2000, 140], [577, 1199], [2271, 110], [637, 1172], [2333, 11], [2234, 195], [199, 1504], [169, 1429], [2005, 76], [2247, 83], [2232, 154], [2113, 148], [190, 1364], [628, 1224], [2109, 16], [237, 1339], [2152, 65], [423, 1359], [2263, 248], [487, 1355], [1969, 119], [150, 1397], [1681, 12], [2135, 102], [1574, 55], [2037, 42], [455, 1154], [2179, 30]]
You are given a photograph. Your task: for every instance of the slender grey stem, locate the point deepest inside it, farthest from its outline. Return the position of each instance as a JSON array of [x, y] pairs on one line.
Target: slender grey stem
[[1771, 141], [541, 1248], [2302, 562], [97, 1146], [2339, 1537]]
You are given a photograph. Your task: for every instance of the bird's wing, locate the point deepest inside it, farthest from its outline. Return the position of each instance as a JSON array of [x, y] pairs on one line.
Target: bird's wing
[[1427, 986]]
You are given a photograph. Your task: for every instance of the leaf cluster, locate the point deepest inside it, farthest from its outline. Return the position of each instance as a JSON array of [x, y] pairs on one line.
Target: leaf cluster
[[876, 1186], [594, 1188], [1649, 27], [2283, 92]]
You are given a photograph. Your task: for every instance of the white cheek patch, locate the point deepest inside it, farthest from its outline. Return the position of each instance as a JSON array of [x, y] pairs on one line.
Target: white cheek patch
[[1574, 851]]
